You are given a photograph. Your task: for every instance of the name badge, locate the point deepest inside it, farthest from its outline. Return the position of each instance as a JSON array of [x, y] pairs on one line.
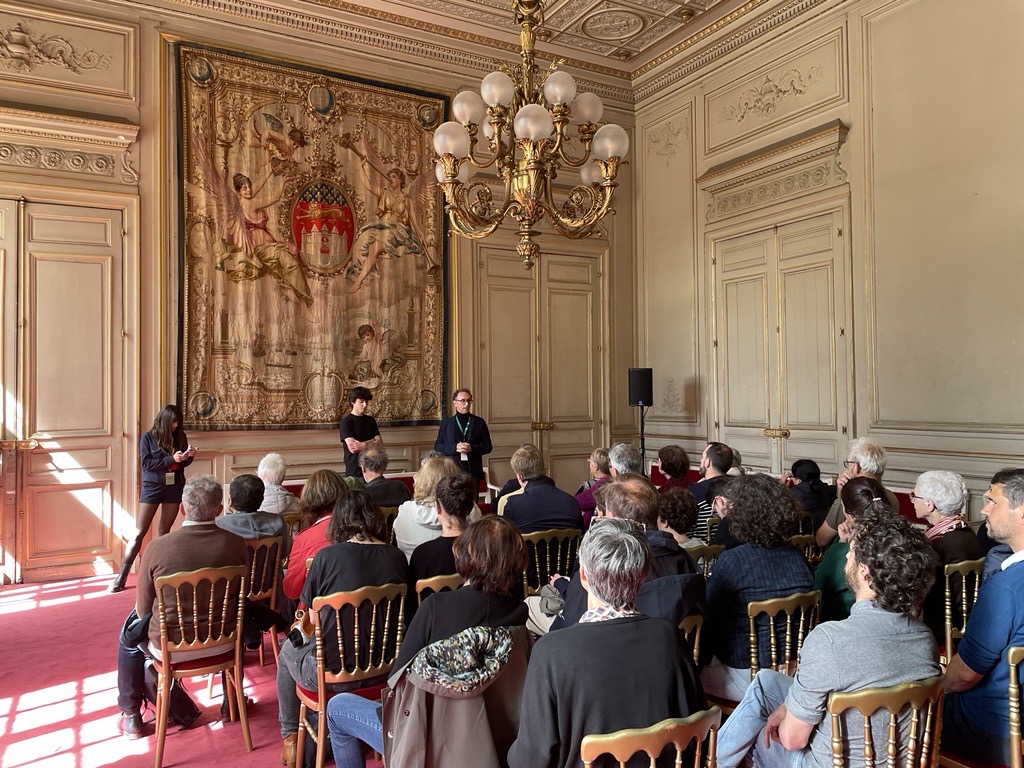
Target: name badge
[[169, 478]]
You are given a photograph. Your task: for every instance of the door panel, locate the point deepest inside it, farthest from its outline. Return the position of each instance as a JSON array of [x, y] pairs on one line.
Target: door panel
[[9, 566]]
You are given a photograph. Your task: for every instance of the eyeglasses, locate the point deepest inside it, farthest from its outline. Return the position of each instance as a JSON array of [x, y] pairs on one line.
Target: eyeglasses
[[464, 400], [848, 464], [915, 497]]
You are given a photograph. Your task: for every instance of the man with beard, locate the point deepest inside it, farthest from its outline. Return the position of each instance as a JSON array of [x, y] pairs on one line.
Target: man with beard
[[715, 461], [782, 721], [976, 717]]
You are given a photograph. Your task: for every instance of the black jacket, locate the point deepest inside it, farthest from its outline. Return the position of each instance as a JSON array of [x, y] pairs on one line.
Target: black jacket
[[478, 436]]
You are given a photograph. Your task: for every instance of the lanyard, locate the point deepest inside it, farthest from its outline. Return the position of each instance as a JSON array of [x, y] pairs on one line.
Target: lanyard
[[463, 429]]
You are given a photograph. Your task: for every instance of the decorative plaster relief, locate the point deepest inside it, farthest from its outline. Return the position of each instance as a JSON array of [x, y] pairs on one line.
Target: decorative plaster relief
[[50, 159], [23, 50], [823, 174], [665, 141], [613, 25], [671, 398], [764, 99]]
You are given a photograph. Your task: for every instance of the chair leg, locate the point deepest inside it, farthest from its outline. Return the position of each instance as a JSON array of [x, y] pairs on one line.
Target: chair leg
[[209, 684], [300, 743], [321, 737], [239, 694], [275, 643], [262, 664], [163, 698]]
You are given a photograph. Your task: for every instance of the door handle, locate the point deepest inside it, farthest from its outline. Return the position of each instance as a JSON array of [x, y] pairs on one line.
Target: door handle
[[776, 433], [542, 426], [28, 445]]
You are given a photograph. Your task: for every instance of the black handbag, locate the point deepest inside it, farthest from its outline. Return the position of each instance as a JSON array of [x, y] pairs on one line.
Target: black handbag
[[181, 710]]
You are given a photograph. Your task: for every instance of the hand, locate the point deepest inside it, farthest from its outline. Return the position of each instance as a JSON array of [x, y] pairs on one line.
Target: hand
[[555, 577], [191, 451], [464, 448], [179, 456], [843, 479], [845, 531], [771, 728]]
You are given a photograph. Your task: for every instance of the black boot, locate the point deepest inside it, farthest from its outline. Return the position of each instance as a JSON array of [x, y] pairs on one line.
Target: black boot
[[117, 585]]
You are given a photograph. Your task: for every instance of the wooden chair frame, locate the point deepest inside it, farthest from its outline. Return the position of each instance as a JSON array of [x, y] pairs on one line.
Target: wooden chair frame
[[390, 515], [922, 696], [392, 597], [449, 582], [691, 626], [569, 537], [804, 603], [679, 731], [968, 596], [265, 574], [708, 553], [712, 523], [219, 633], [808, 546]]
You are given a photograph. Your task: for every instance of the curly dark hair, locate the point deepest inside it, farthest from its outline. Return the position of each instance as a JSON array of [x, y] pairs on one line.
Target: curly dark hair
[[863, 494], [674, 461], [356, 515], [901, 564], [678, 509], [763, 510]]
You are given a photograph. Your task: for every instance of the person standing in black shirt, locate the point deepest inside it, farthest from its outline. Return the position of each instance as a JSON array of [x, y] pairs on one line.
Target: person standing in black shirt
[[463, 437], [358, 430]]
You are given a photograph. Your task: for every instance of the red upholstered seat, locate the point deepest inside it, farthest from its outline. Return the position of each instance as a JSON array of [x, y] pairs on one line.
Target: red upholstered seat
[[200, 663]]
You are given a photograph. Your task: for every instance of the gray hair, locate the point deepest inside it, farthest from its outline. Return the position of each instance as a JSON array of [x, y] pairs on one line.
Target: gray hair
[[374, 459], [272, 468], [431, 455], [1012, 481], [871, 457], [626, 459], [946, 490], [616, 556], [202, 498]]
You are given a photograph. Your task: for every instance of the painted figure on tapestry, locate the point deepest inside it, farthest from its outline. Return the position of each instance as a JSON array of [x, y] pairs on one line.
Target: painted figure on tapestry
[[313, 248]]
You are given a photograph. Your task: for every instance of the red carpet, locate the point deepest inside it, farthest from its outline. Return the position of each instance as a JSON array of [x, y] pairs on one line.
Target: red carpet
[[58, 688]]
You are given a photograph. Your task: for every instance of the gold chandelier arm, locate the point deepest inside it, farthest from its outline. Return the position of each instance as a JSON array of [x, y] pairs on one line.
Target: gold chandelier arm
[[583, 209], [471, 209]]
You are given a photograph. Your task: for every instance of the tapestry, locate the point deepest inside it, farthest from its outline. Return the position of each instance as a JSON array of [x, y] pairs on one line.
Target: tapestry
[[312, 246]]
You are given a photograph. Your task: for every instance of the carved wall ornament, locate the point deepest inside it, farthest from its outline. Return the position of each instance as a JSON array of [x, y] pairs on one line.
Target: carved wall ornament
[[613, 25], [801, 181], [50, 159], [671, 398], [23, 50], [764, 99], [667, 140]]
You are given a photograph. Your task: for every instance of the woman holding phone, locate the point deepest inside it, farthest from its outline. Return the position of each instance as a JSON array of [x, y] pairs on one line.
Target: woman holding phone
[[164, 452]]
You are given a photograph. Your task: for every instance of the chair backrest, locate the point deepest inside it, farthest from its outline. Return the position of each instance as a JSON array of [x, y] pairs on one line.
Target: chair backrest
[[803, 522], [368, 635], [705, 556], [805, 543], [712, 526], [551, 551], [264, 557], [296, 522], [691, 626], [390, 513], [677, 731], [912, 742], [962, 582], [1014, 656], [200, 611], [800, 615], [426, 587]]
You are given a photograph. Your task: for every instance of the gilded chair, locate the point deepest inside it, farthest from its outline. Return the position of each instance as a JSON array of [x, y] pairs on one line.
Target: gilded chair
[[296, 522], [808, 546], [427, 587], [368, 637], [799, 616], [200, 614], [1014, 657], [691, 626], [264, 557], [910, 740], [712, 526], [390, 513], [962, 582], [704, 557], [700, 728], [551, 551]]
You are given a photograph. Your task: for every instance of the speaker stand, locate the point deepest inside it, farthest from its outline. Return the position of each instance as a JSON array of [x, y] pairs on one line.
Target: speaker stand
[[643, 444]]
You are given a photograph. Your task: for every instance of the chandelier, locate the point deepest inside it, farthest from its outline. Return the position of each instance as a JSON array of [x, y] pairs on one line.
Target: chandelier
[[526, 115]]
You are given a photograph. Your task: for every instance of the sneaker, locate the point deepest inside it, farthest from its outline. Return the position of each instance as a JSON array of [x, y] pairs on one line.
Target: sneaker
[[130, 725]]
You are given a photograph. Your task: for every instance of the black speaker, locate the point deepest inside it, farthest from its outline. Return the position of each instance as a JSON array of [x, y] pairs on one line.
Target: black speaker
[[641, 387]]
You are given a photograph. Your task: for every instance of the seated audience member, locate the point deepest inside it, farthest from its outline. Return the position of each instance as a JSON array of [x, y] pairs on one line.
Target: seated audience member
[[975, 717], [736, 470], [511, 486], [764, 566], [600, 473], [245, 496], [994, 552], [783, 720], [715, 461], [319, 495], [939, 497], [387, 493], [359, 556], [672, 588], [587, 678], [490, 556], [198, 544], [718, 500], [455, 496], [677, 513], [541, 506], [417, 520], [276, 498], [674, 463], [813, 496], [625, 459], [861, 495], [864, 458]]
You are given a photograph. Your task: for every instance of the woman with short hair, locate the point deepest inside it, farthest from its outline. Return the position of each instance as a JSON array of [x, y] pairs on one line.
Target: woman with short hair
[[674, 463], [417, 521], [600, 472], [319, 496], [276, 498]]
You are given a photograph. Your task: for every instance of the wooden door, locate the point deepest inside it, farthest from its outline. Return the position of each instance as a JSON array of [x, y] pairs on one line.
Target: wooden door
[[65, 418], [539, 361], [780, 343]]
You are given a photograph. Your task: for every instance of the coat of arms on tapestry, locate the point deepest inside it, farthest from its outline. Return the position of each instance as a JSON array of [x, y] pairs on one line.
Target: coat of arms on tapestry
[[313, 248]]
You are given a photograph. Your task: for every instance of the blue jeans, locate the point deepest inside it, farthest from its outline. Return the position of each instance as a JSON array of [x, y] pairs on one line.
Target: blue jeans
[[962, 737], [353, 721], [742, 733]]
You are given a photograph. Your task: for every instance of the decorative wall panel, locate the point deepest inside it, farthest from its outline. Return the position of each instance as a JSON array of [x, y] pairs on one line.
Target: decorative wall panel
[[313, 248]]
